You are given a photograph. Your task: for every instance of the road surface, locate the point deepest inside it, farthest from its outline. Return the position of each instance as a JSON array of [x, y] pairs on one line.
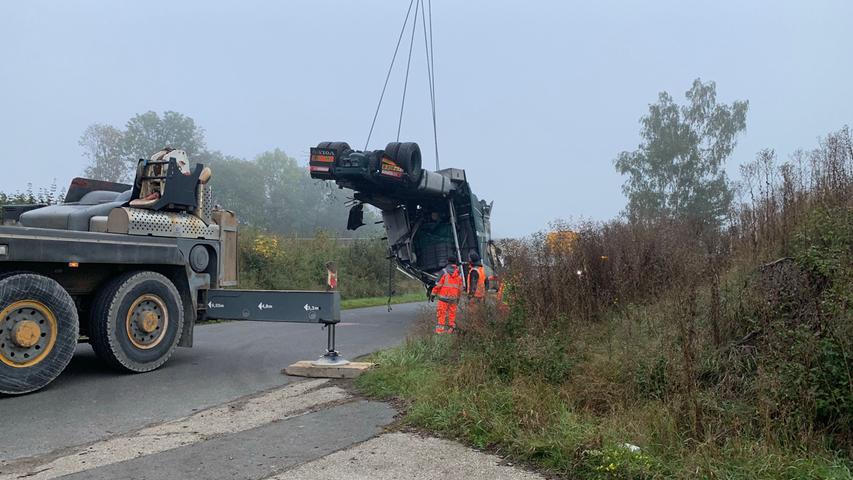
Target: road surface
[[228, 360], [223, 410]]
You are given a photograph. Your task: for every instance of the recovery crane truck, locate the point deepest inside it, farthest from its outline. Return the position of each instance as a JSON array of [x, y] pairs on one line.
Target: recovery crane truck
[[129, 269]]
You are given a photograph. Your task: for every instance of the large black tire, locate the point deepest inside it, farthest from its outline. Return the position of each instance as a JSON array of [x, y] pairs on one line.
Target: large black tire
[[341, 148], [408, 156], [391, 150], [136, 321], [37, 310]]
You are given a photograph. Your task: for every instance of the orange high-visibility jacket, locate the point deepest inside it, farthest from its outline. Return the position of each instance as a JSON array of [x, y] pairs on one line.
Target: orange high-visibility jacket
[[477, 290], [500, 294], [449, 286]]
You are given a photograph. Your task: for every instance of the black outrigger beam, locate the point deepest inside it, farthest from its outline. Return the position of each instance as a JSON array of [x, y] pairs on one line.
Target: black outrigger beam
[[293, 306]]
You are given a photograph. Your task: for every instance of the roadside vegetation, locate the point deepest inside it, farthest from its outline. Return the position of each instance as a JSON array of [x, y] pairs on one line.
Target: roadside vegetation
[[705, 336], [277, 262]]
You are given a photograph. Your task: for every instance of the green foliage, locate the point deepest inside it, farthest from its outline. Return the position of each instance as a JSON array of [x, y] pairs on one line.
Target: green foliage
[[830, 378], [103, 146], [113, 153], [407, 370], [678, 168], [47, 196], [651, 378], [617, 462], [450, 387], [269, 261], [148, 132], [825, 251]]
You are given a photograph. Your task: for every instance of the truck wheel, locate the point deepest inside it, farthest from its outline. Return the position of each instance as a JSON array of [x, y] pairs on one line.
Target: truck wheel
[[391, 150], [39, 328], [408, 156], [342, 149], [136, 321]]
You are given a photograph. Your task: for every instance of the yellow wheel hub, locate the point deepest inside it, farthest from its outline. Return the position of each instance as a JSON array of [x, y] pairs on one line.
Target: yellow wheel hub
[[147, 321], [28, 331]]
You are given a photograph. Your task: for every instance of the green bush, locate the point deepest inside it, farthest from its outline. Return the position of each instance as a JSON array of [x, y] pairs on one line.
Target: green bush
[[269, 261]]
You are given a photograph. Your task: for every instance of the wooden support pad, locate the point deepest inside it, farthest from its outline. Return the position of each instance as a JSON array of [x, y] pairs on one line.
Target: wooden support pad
[[306, 368]]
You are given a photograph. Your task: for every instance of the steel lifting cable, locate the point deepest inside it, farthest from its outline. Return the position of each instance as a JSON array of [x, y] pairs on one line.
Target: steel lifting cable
[[430, 62], [388, 75], [408, 66], [431, 72]]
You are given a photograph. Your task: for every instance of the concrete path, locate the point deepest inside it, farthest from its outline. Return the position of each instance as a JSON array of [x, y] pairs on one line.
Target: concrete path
[[409, 456]]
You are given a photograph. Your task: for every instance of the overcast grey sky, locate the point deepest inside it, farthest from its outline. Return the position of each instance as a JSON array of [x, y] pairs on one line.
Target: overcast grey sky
[[534, 98]]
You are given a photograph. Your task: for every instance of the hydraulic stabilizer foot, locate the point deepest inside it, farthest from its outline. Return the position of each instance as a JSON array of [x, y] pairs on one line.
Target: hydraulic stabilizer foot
[[331, 357]]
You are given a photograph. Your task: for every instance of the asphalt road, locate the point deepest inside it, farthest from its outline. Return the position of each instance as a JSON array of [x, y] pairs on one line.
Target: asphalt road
[[89, 402]]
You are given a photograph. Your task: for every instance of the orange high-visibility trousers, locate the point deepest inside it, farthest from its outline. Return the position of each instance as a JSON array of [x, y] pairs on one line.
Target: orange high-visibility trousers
[[445, 316]]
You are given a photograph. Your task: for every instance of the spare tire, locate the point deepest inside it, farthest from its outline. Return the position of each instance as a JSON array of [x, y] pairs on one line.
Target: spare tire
[[408, 156]]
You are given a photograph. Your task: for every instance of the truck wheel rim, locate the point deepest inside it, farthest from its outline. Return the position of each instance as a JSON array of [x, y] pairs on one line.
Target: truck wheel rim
[[147, 321], [28, 332]]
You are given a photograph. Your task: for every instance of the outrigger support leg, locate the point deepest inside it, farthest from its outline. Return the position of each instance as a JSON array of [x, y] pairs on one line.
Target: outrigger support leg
[[331, 357]]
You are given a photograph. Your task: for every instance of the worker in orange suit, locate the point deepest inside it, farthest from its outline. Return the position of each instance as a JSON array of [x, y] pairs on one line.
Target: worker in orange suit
[[499, 295], [448, 290], [476, 279]]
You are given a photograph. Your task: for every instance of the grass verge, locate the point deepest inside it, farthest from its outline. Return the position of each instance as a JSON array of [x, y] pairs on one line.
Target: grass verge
[[351, 303], [460, 389]]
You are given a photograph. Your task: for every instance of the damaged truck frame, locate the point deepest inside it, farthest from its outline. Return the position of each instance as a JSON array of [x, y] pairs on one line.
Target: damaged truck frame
[[130, 269], [429, 216]]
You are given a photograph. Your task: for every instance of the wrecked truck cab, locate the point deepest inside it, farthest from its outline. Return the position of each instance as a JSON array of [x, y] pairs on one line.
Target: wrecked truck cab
[[428, 215]]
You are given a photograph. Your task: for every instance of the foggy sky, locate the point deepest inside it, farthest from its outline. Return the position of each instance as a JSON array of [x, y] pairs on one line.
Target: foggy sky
[[534, 99]]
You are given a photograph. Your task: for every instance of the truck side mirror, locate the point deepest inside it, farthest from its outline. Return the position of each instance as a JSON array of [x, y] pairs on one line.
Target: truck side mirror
[[356, 217]]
